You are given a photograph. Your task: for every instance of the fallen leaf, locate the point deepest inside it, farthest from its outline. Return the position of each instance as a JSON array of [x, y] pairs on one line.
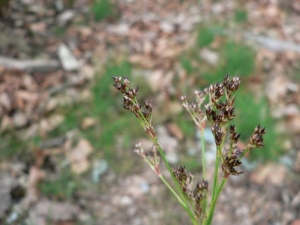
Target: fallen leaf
[[88, 122], [6, 123], [78, 156], [48, 124], [32, 194]]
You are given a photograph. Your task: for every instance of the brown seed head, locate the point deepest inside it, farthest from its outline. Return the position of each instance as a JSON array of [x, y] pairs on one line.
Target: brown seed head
[[256, 140]]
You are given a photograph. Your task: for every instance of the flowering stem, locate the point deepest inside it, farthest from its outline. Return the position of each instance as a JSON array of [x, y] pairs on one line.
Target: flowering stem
[[213, 203], [203, 165], [179, 200], [215, 184], [172, 190], [182, 199], [203, 154]]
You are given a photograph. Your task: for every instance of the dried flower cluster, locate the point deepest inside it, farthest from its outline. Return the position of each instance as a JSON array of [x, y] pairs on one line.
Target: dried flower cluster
[[194, 109], [219, 111], [130, 103], [197, 197]]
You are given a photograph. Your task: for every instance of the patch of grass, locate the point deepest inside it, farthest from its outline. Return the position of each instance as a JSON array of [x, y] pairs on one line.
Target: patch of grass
[[205, 36], [11, 146], [239, 59], [63, 187], [240, 16], [186, 64], [103, 9], [60, 31], [250, 113]]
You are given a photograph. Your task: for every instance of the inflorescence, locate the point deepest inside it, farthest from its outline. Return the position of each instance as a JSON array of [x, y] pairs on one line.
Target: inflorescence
[[219, 112], [130, 103]]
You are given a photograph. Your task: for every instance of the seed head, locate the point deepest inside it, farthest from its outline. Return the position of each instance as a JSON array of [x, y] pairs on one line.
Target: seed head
[[231, 160], [256, 140], [218, 133]]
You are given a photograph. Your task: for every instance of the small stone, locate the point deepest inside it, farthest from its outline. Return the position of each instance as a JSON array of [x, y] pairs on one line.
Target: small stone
[[65, 17], [20, 119], [125, 200], [172, 158], [88, 122], [209, 56], [68, 60]]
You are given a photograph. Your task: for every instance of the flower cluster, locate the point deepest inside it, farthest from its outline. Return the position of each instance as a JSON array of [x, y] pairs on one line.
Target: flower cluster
[[198, 196], [194, 109], [219, 113], [130, 103]]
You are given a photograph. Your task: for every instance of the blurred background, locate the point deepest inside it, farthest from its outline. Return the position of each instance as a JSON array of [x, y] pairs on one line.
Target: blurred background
[[66, 143]]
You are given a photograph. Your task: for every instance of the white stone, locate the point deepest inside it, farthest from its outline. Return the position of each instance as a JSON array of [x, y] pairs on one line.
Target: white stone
[[67, 59]]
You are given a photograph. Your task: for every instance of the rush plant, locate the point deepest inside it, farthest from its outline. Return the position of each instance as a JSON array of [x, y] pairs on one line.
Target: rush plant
[[214, 105]]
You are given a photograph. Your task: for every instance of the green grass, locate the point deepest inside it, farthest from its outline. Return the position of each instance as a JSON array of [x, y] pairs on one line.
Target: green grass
[[236, 59], [11, 146], [103, 9], [186, 64], [250, 113], [239, 59], [205, 36], [63, 187], [240, 16], [59, 31]]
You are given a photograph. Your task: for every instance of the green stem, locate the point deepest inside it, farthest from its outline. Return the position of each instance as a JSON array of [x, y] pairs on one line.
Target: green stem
[[243, 153], [194, 221], [203, 165], [187, 209], [215, 184], [213, 204], [203, 154], [172, 190], [143, 121]]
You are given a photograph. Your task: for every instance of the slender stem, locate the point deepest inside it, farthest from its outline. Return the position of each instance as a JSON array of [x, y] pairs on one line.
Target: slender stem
[[203, 154], [215, 184], [144, 122], [194, 221], [203, 165], [243, 153], [213, 204], [191, 215], [172, 190]]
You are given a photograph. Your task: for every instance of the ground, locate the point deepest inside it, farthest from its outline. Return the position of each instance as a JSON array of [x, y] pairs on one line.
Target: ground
[[66, 149]]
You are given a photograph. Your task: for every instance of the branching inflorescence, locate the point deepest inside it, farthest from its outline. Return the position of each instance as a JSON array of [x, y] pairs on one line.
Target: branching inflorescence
[[215, 105]]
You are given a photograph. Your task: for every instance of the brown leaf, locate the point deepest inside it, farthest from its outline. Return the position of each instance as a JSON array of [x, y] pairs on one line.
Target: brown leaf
[[35, 176], [78, 156], [6, 123], [88, 122]]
